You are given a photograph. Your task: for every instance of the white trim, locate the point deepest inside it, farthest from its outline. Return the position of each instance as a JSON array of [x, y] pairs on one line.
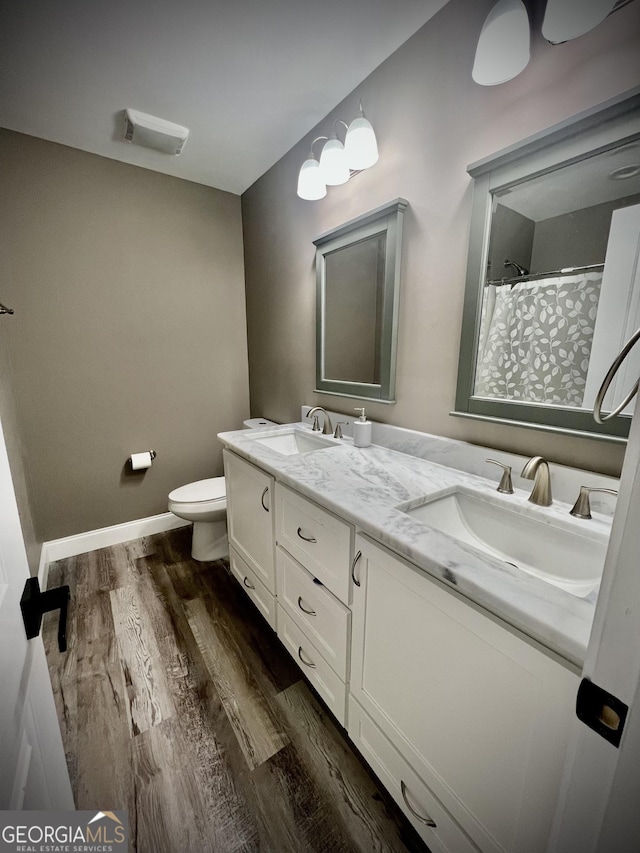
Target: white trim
[[91, 540]]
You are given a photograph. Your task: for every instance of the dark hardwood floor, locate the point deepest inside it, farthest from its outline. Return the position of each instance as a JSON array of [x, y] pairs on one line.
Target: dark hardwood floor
[[178, 703]]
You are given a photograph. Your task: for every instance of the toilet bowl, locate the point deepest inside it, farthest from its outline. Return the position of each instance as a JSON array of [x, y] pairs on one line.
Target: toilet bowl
[[205, 504]]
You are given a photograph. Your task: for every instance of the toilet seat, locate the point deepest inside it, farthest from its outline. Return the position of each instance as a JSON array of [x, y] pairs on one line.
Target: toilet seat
[[212, 489], [202, 501]]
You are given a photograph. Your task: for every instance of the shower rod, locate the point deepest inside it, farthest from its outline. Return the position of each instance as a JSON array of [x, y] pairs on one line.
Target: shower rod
[[535, 275]]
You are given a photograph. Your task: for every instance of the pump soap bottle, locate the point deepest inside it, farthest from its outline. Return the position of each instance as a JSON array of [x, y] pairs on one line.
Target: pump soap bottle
[[361, 430]]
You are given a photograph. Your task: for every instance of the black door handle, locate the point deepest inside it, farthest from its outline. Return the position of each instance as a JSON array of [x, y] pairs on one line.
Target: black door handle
[[34, 603]]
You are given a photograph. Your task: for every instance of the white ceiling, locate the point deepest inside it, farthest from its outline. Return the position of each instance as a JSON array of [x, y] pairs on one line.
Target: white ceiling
[[249, 78]]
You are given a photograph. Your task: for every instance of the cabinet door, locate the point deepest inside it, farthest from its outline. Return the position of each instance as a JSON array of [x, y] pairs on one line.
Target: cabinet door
[[480, 713], [249, 516]]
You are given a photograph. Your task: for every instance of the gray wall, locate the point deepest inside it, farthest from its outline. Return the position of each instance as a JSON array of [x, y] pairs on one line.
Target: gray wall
[[431, 121], [512, 239], [129, 331], [575, 239]]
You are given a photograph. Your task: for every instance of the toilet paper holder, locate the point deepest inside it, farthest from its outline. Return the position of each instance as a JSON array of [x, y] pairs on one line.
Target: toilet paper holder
[[138, 467]]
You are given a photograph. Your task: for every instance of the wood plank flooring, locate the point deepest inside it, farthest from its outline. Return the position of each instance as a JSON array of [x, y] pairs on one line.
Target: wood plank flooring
[[178, 703]]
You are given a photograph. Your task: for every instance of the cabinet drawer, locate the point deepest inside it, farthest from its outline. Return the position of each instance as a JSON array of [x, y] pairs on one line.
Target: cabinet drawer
[[417, 802], [316, 538], [255, 589], [324, 679], [324, 619]]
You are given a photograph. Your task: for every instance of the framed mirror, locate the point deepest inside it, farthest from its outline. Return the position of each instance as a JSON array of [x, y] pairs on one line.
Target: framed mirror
[[553, 281], [357, 295]]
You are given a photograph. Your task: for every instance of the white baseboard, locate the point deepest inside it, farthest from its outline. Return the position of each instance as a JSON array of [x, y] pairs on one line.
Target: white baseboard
[[70, 546]]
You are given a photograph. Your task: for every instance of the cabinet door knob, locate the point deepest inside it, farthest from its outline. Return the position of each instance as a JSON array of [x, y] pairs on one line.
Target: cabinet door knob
[[265, 508], [353, 568], [304, 609], [310, 664], [426, 820], [247, 584], [306, 538]]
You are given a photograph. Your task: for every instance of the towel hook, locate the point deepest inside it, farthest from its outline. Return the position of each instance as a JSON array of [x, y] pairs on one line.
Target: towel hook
[[5, 310]]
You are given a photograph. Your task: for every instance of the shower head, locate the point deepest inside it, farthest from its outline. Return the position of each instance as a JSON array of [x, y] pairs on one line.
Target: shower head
[[520, 270]]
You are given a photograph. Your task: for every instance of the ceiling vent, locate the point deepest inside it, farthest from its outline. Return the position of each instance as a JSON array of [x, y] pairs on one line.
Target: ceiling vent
[[152, 132]]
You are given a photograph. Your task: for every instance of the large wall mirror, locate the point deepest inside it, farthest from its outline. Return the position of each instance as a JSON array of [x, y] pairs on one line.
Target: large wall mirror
[[553, 275], [358, 287]]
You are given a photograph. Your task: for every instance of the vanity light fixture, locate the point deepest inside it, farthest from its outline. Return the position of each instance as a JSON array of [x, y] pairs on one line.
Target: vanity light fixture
[[503, 47], [311, 184], [360, 145], [567, 19], [333, 160], [338, 162]]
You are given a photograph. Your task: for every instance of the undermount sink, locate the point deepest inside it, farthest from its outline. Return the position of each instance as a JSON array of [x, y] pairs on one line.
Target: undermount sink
[[293, 441], [566, 558]]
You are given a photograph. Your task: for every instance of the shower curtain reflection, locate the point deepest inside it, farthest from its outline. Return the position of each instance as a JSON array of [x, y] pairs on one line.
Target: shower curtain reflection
[[535, 339]]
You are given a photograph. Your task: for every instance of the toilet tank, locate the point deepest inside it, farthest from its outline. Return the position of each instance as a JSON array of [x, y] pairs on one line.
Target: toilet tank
[[256, 423]]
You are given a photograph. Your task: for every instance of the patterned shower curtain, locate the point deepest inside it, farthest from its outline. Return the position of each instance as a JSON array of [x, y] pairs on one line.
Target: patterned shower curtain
[[535, 339]]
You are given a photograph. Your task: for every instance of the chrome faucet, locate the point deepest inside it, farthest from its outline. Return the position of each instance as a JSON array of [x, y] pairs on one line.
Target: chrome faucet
[[539, 468], [327, 429]]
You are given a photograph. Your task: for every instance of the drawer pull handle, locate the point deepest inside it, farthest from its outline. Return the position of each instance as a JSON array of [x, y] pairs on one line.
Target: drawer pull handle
[[426, 820], [310, 664], [304, 609], [306, 538], [247, 584], [353, 568], [265, 508]]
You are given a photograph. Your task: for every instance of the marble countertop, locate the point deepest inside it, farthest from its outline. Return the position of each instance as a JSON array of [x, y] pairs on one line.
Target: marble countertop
[[365, 486]]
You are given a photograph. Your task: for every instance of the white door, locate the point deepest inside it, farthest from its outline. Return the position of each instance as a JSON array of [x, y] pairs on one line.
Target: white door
[[599, 809], [33, 770]]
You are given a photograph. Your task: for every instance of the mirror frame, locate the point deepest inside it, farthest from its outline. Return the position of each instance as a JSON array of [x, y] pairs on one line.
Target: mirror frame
[[606, 126], [388, 220]]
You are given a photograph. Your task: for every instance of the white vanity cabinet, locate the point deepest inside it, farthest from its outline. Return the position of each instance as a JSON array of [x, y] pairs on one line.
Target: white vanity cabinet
[[464, 720], [313, 557], [250, 523]]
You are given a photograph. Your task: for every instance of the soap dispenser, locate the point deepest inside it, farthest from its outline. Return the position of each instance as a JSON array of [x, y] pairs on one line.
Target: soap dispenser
[[361, 430]]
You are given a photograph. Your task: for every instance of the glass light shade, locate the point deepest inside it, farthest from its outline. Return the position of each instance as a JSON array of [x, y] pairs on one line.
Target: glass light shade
[[333, 163], [568, 19], [360, 146], [311, 185], [503, 46]]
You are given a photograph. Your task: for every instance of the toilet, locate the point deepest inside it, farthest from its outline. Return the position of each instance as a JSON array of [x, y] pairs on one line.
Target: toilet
[[205, 504]]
